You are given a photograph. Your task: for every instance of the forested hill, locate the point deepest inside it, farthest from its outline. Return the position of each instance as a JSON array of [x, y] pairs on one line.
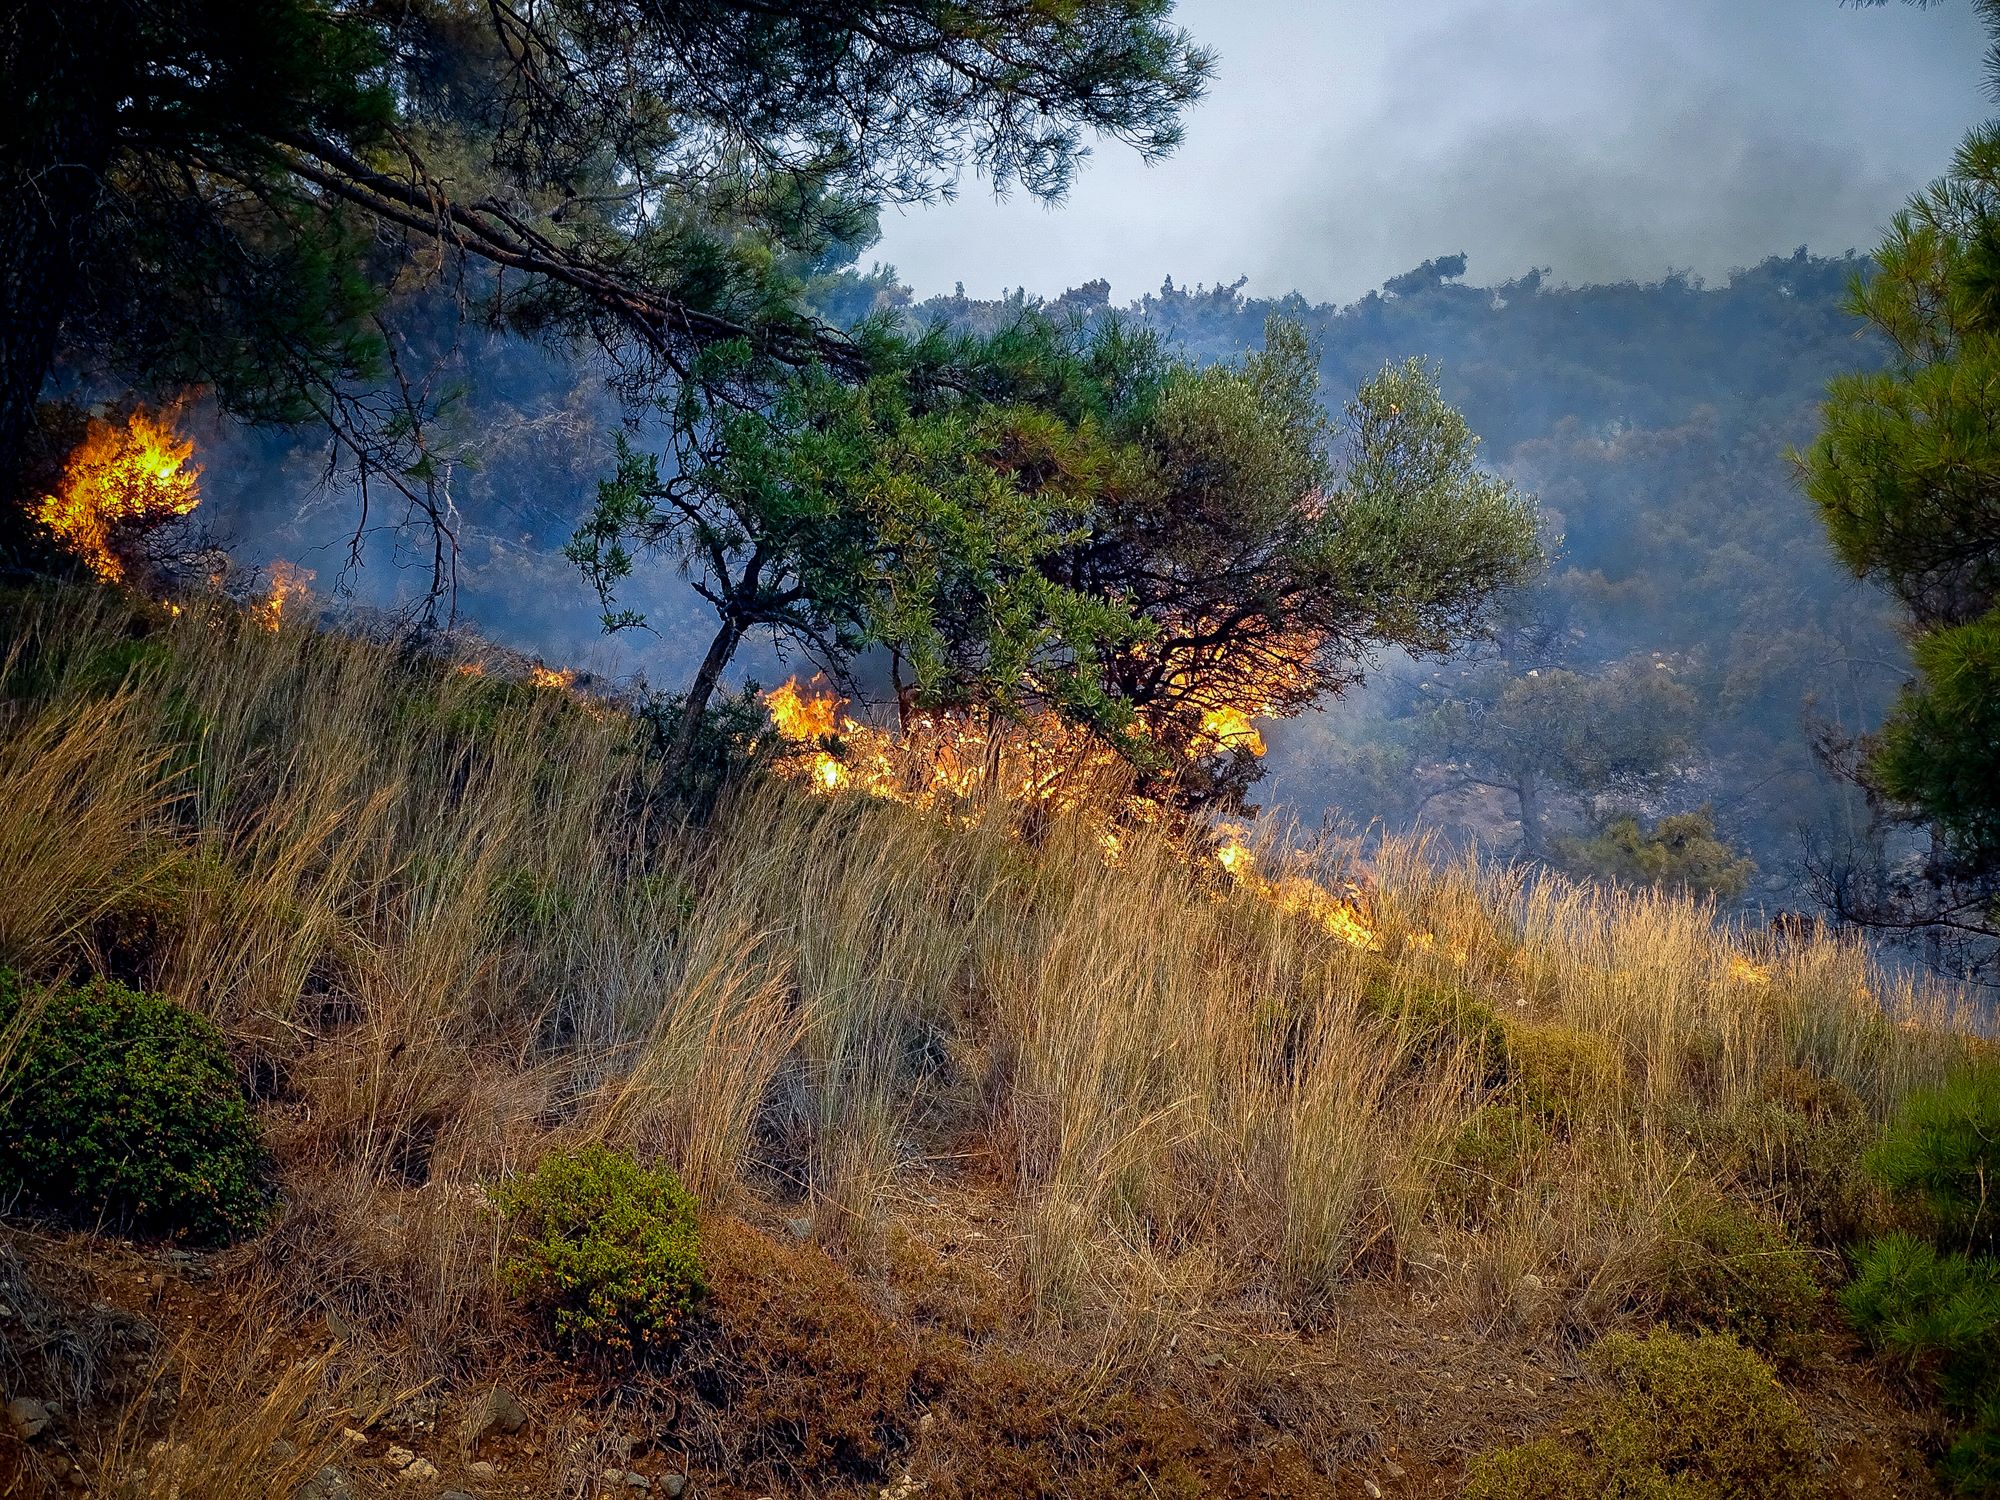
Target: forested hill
[[1692, 633]]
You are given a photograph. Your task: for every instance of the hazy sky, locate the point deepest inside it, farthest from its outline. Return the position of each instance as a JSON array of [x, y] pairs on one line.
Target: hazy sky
[[1346, 140]]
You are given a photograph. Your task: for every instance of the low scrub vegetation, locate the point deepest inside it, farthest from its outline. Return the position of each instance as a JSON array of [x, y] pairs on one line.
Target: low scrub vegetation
[[1695, 1418], [1930, 1299], [604, 1249], [123, 1109], [1161, 1146]]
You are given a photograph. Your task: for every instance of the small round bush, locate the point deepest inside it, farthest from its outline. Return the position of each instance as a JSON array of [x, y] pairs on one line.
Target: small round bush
[[607, 1251], [1540, 1470], [1699, 1417], [1730, 1270], [122, 1107], [1683, 1419]]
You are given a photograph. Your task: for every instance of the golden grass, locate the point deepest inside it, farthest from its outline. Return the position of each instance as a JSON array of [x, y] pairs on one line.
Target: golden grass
[[435, 911]]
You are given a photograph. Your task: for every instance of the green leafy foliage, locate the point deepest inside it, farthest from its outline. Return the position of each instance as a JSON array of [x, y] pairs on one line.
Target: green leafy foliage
[[731, 746], [122, 1106], [1679, 852], [1934, 1303], [1936, 1310], [607, 1251], [1903, 472], [1541, 1469]]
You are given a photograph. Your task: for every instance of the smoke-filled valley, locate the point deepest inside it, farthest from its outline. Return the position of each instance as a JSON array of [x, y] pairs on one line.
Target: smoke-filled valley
[[1690, 642]]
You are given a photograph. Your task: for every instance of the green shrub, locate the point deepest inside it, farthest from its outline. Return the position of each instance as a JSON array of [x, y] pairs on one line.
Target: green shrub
[[1943, 1149], [1698, 1417], [1558, 1070], [1486, 1159], [1732, 1271], [1799, 1144], [1684, 1419], [1540, 1470], [122, 1106], [1937, 1312], [606, 1250], [1680, 852]]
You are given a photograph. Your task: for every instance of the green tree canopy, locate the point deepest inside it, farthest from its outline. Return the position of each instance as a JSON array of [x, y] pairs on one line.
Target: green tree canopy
[[1906, 473], [222, 191]]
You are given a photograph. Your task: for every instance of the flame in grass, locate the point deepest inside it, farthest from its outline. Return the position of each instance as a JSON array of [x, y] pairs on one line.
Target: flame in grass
[[120, 479], [1744, 971], [288, 583], [1343, 915], [943, 760], [548, 677]]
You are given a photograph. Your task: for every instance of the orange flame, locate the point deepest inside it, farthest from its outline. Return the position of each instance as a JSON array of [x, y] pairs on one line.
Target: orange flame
[[1231, 729], [287, 583], [547, 677], [1343, 916], [119, 479]]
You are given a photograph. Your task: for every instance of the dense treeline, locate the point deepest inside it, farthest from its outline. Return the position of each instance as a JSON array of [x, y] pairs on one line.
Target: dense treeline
[[1690, 640], [1693, 637]]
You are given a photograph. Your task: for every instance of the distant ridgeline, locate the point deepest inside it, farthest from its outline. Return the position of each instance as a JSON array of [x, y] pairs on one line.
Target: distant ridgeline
[[1692, 636], [1689, 641]]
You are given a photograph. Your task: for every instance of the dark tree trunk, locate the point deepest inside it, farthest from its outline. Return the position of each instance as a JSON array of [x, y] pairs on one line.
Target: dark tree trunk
[[699, 692], [1533, 841], [58, 119]]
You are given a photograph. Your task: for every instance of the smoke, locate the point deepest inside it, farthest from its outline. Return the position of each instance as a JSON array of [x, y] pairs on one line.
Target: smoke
[[1605, 139]]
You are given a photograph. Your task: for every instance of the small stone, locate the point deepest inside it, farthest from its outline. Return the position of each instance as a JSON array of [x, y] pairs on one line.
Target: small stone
[[800, 1229], [399, 1458], [354, 1437], [637, 1482], [328, 1484], [418, 1470], [1374, 1489], [496, 1411], [673, 1486], [613, 1476], [1393, 1469], [480, 1469], [283, 1449], [1532, 1283], [458, 1495], [28, 1417]]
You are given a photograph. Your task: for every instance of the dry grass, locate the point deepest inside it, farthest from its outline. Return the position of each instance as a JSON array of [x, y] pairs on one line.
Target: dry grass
[[431, 912]]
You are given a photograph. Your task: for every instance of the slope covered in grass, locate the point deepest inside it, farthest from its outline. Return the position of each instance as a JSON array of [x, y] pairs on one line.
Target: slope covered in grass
[[1020, 1171]]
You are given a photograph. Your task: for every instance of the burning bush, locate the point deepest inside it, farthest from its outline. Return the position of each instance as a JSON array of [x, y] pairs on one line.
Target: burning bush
[[122, 1105], [121, 484], [606, 1250]]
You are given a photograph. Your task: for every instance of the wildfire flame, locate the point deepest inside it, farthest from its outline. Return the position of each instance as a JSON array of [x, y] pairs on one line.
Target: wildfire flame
[[547, 677], [1341, 915], [120, 479], [287, 583], [799, 718], [1231, 729], [1743, 971]]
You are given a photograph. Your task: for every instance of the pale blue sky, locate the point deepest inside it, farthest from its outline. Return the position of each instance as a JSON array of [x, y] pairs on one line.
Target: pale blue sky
[[1346, 140]]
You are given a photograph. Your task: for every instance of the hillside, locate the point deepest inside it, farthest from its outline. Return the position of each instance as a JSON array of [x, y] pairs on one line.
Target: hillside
[[1021, 1169], [1650, 421]]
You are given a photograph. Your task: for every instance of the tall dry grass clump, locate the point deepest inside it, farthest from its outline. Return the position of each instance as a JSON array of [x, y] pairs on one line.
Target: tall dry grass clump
[[448, 925]]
